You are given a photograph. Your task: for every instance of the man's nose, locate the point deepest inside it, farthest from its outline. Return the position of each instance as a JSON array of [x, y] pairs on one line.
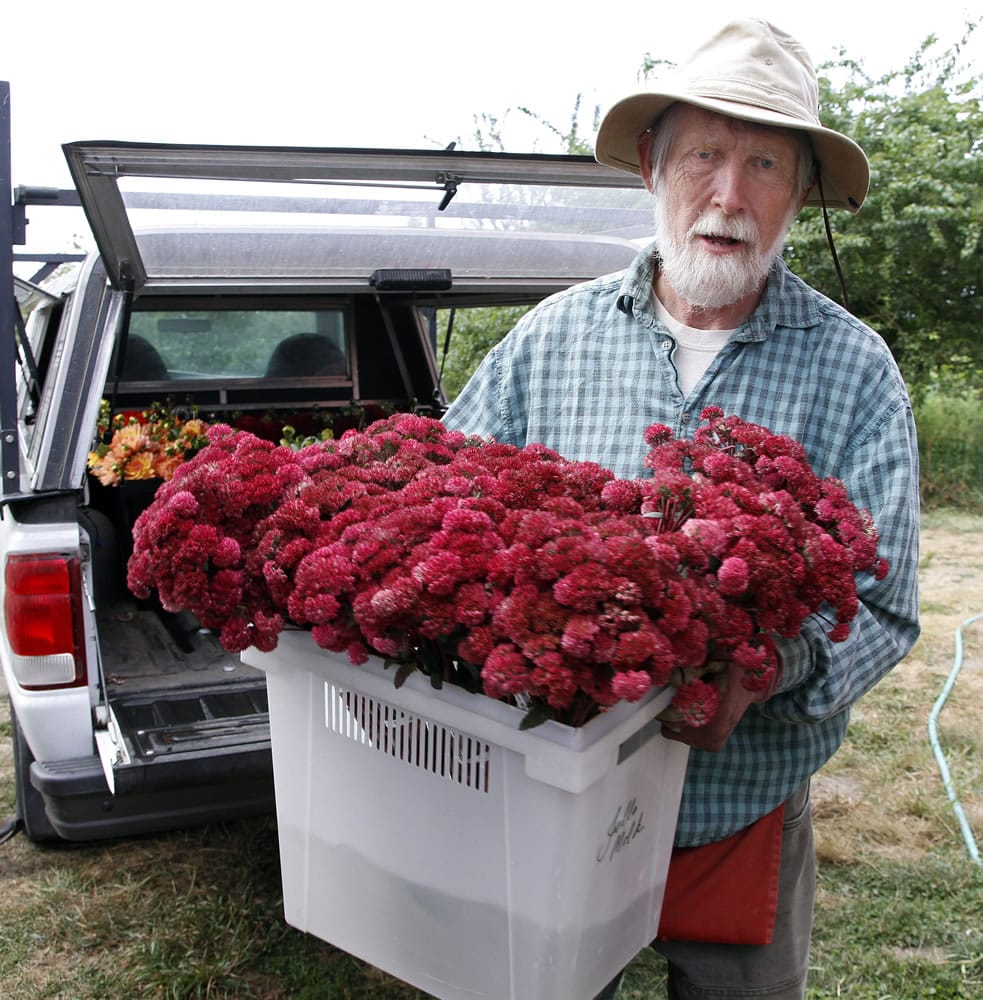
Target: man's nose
[[729, 187]]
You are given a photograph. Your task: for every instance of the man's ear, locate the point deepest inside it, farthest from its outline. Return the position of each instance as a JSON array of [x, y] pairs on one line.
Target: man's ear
[[645, 158]]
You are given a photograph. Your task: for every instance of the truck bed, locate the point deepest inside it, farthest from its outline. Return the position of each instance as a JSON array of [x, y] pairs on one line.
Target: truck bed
[[175, 691]]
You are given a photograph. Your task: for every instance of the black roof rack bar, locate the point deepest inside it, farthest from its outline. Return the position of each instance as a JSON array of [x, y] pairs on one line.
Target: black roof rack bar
[[9, 446]]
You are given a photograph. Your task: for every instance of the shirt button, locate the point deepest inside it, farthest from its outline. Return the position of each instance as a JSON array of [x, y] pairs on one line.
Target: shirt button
[[667, 345]]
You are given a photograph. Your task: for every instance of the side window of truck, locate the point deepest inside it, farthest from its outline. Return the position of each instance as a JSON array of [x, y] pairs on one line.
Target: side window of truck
[[41, 325]]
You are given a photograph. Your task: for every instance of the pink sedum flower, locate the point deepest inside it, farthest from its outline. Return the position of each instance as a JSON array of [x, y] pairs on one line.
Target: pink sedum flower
[[734, 576], [631, 685], [696, 702], [560, 585]]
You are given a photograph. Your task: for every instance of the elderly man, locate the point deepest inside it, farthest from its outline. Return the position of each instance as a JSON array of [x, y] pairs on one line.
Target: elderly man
[[731, 150]]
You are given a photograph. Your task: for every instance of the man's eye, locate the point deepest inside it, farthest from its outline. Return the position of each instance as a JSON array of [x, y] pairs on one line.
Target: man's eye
[[703, 154], [767, 164]]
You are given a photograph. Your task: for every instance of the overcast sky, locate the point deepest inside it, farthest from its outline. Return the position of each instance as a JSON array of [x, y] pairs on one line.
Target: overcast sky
[[392, 73]]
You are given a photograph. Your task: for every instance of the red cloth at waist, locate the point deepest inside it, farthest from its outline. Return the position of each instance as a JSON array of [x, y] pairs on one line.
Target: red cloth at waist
[[726, 891]]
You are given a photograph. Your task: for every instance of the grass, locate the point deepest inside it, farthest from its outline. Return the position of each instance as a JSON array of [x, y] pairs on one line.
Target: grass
[[899, 930], [899, 915], [950, 445]]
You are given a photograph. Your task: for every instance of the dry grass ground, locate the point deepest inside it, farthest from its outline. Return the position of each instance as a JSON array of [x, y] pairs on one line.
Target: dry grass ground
[[197, 913], [859, 812]]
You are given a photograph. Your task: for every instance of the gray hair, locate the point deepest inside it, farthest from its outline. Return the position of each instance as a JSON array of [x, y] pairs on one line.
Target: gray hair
[[664, 129]]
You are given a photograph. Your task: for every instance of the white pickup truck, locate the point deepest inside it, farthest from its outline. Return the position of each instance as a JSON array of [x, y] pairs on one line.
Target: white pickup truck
[[238, 284]]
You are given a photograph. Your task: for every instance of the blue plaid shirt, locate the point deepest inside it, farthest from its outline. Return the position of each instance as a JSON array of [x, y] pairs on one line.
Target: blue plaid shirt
[[591, 367]]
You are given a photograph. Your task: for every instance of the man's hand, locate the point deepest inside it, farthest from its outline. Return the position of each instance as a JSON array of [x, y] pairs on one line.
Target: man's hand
[[734, 701]]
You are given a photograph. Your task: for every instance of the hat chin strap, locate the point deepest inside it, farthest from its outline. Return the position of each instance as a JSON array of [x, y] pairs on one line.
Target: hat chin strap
[[829, 240]]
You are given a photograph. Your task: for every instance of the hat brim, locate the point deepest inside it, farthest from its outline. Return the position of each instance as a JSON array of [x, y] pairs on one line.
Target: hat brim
[[844, 165]]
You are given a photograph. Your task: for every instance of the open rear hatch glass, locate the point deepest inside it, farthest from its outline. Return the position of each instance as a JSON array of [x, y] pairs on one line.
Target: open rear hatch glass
[[518, 218]]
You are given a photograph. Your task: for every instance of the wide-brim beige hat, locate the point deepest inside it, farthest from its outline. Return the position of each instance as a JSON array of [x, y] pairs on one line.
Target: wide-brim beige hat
[[753, 71]]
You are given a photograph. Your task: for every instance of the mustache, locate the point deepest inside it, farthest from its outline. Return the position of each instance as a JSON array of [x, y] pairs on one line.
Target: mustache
[[714, 222]]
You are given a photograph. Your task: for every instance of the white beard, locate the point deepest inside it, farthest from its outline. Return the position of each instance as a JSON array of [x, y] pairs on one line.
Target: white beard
[[712, 281]]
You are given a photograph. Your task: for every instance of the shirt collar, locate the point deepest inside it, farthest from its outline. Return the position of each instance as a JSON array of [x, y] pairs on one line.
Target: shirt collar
[[786, 301]]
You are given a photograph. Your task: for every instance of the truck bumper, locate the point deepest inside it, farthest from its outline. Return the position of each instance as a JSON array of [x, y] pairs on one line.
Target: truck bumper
[[151, 797]]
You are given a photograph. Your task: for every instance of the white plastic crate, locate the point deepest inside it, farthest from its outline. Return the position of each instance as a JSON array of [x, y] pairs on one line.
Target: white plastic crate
[[422, 832]]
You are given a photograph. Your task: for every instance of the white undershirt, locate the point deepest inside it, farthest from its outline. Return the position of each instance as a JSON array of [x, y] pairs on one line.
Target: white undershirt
[[695, 349]]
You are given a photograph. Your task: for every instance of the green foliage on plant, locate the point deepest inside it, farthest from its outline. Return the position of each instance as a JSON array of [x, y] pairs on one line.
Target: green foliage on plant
[[912, 257], [474, 334], [950, 445], [575, 138]]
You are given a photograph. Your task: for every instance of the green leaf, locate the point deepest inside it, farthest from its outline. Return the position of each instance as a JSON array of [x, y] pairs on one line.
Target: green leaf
[[404, 671], [536, 716]]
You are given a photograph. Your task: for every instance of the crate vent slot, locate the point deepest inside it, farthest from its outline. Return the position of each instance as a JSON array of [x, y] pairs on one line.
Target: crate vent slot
[[417, 742]]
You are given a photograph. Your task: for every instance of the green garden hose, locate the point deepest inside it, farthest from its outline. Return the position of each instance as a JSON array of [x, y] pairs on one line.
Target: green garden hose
[[971, 846]]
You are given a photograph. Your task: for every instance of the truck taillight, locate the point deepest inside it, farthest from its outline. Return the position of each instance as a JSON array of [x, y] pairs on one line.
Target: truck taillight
[[43, 619]]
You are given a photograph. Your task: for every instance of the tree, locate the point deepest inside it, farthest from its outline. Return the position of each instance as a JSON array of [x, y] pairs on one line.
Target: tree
[[489, 130], [912, 256], [475, 332]]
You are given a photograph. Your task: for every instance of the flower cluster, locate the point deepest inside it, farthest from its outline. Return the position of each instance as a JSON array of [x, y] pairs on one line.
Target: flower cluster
[[513, 572], [307, 426], [146, 445], [151, 444]]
